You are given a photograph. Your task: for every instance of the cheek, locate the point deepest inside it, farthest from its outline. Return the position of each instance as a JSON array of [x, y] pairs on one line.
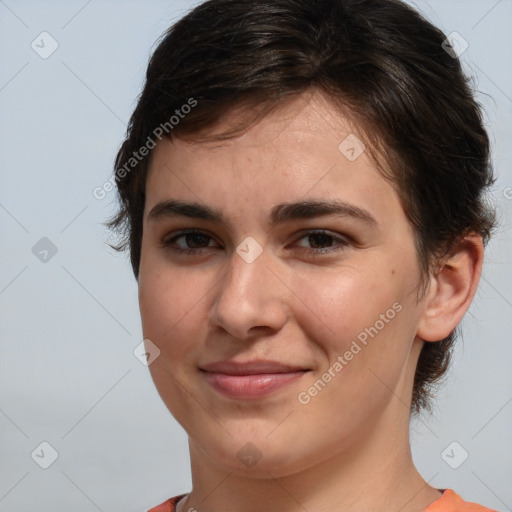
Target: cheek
[[342, 304], [172, 318], [368, 316], [170, 302]]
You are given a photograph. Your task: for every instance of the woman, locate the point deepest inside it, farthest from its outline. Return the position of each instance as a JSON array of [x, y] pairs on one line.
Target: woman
[[301, 193]]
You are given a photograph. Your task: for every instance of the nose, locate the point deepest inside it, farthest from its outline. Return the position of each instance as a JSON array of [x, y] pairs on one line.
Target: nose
[[251, 298]]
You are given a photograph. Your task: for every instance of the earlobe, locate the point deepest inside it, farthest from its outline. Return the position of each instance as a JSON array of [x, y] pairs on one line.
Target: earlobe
[[452, 289]]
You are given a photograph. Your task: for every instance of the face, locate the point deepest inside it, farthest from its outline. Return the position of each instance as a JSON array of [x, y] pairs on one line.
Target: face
[[278, 280]]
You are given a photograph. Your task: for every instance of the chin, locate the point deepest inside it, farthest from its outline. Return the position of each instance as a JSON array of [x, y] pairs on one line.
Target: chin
[[262, 456]]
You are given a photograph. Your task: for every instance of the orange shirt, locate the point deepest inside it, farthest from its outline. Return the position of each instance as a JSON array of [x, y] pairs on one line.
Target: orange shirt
[[448, 502]]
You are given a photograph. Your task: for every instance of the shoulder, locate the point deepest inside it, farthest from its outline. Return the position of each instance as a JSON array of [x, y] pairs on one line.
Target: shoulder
[[167, 506], [450, 501]]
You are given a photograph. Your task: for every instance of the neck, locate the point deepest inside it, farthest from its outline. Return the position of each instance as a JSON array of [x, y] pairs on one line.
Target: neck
[[376, 473]]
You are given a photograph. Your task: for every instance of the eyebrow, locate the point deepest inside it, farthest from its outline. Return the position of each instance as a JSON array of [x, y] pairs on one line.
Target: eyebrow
[[280, 213]]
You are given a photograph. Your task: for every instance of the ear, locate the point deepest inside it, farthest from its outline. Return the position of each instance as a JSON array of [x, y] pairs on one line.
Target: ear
[[452, 288]]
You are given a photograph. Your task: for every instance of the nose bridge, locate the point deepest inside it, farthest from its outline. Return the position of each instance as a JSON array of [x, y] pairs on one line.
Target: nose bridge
[[249, 295]]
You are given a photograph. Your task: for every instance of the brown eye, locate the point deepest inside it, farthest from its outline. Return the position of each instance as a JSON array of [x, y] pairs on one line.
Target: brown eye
[[323, 242], [192, 242]]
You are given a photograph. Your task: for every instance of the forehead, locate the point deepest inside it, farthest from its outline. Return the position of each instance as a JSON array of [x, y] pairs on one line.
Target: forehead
[[305, 148]]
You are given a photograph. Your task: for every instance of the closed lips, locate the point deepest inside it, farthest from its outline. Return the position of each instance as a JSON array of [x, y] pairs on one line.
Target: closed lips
[[251, 380], [251, 368]]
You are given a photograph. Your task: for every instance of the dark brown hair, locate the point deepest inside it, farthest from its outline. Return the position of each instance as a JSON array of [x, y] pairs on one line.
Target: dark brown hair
[[379, 61]]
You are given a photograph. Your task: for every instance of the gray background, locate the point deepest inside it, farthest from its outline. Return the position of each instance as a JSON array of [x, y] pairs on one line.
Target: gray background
[[69, 324]]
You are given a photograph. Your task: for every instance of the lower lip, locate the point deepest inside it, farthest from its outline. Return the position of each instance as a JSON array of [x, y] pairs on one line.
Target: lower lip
[[250, 386]]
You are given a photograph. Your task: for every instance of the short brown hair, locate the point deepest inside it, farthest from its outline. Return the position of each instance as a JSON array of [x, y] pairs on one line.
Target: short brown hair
[[380, 61]]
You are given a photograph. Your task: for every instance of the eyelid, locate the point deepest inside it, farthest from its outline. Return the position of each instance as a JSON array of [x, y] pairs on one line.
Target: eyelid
[[166, 240], [340, 241], [336, 236]]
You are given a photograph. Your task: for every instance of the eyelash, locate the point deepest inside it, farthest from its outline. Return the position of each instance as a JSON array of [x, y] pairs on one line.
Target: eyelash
[[168, 242]]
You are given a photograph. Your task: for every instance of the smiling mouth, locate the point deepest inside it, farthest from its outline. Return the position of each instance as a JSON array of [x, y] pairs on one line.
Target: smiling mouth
[[251, 386], [250, 380]]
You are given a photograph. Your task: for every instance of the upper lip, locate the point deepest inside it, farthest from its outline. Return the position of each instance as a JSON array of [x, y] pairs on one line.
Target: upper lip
[[251, 367]]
